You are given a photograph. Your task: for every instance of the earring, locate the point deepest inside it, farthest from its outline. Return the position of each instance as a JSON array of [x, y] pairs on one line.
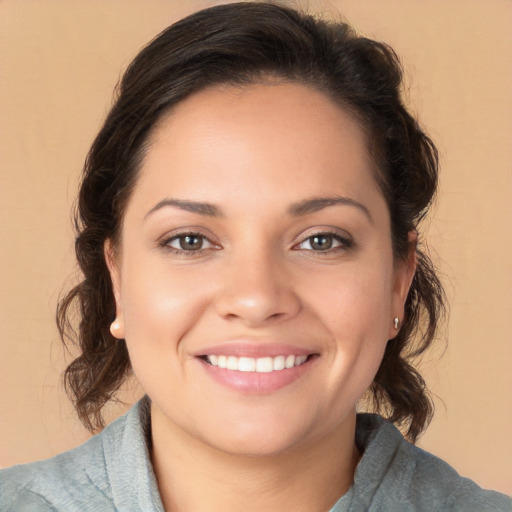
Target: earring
[[397, 323], [114, 327]]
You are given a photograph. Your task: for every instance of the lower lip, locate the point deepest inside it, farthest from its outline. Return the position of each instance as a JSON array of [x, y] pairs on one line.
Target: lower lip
[[257, 383]]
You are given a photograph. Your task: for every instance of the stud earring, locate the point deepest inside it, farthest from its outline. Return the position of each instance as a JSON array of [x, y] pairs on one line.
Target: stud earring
[[114, 327], [397, 323]]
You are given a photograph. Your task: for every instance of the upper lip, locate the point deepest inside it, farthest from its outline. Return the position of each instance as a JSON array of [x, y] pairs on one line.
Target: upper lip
[[254, 349]]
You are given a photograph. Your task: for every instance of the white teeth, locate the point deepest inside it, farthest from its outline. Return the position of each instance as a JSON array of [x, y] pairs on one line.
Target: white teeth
[[260, 364], [232, 363], [279, 363], [246, 364], [300, 360], [264, 364]]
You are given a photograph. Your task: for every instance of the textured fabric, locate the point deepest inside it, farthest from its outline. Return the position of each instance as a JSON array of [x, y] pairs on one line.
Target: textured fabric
[[112, 472], [394, 475]]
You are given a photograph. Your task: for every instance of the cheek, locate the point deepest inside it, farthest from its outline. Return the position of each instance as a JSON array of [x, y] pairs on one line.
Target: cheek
[[356, 313], [160, 305], [358, 302], [160, 308]]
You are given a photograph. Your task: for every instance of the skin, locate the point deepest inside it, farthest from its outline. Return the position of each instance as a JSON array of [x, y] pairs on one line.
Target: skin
[[255, 154]]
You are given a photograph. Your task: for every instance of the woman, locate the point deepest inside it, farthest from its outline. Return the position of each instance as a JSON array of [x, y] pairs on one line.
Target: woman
[[248, 235]]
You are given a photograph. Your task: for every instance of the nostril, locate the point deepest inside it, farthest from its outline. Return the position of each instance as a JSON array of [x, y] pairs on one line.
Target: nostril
[[256, 302]]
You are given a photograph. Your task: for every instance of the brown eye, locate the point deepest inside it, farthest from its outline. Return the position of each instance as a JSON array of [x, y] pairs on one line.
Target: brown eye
[[189, 242], [324, 242], [321, 242]]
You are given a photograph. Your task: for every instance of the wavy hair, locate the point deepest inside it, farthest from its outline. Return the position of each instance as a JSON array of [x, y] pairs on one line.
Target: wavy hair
[[237, 44]]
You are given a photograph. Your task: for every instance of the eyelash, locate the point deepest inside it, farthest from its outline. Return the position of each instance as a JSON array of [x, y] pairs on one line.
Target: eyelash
[[343, 241], [166, 243]]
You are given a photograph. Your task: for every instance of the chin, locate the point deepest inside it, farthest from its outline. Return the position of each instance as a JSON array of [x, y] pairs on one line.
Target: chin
[[266, 435], [261, 445]]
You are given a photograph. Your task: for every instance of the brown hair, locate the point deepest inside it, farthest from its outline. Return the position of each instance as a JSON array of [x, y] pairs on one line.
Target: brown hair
[[242, 43]]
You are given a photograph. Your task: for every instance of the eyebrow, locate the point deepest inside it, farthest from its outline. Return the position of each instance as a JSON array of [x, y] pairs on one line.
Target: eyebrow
[[190, 206], [319, 203], [296, 209]]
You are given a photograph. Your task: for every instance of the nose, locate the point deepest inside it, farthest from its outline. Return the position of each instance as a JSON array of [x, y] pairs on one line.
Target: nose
[[257, 291]]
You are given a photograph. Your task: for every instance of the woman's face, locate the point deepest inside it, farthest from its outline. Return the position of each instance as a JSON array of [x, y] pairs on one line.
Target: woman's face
[[256, 286]]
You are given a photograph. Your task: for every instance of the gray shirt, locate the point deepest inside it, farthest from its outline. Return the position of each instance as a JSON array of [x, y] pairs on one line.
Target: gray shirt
[[112, 472]]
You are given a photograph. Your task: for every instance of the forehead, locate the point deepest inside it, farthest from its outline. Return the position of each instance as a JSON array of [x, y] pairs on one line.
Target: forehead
[[274, 140]]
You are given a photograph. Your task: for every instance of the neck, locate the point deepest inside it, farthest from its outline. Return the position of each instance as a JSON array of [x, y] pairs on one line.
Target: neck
[[193, 476]]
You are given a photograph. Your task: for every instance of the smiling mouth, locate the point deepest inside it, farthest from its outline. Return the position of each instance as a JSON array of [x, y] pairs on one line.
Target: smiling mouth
[[258, 365]]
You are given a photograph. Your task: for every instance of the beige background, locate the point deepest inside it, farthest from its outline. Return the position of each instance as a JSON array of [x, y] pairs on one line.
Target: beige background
[[59, 62]]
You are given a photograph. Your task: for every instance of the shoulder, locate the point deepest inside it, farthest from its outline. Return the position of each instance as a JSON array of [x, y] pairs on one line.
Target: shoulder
[[432, 480], [71, 479], [75, 480], [401, 476], [432, 476]]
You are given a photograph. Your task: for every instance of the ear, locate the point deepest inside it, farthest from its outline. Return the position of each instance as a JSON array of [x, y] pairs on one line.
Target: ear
[[404, 272], [112, 260]]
